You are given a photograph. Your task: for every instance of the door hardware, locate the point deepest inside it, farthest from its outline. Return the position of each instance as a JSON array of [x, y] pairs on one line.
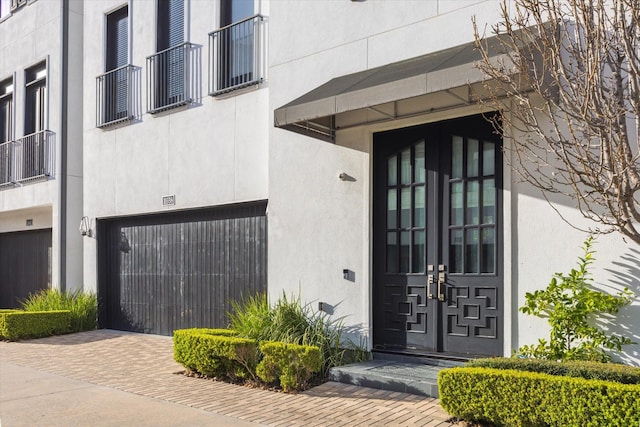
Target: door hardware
[[430, 285], [442, 278]]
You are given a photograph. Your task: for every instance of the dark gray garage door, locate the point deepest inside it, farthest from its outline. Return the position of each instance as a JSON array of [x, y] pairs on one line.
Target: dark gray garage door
[[24, 265], [171, 271]]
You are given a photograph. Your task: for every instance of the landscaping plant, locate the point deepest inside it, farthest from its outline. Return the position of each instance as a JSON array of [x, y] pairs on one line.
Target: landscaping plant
[[82, 305], [289, 321], [572, 307]]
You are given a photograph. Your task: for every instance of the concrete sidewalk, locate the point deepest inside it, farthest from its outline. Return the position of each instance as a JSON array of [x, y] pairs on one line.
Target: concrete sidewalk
[[106, 378]]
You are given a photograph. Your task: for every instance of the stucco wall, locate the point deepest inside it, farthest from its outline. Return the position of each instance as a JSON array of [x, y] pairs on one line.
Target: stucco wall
[[320, 225], [30, 35], [212, 152]]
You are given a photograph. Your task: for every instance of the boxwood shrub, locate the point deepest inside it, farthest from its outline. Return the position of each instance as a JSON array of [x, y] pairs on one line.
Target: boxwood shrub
[[215, 352], [291, 365], [589, 370], [16, 324], [517, 398]]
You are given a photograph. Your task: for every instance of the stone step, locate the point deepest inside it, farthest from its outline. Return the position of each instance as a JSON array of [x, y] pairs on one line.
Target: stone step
[[393, 375]]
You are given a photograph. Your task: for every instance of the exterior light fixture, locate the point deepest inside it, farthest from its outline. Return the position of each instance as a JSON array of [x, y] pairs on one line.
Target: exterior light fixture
[[85, 227]]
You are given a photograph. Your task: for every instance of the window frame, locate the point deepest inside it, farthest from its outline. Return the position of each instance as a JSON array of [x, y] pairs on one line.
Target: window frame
[[7, 94]]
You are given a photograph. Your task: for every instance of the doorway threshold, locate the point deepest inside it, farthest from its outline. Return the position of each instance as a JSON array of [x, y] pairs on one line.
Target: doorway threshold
[[410, 375]]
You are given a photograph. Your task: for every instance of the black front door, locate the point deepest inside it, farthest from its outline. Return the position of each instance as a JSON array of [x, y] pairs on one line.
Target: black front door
[[437, 234]]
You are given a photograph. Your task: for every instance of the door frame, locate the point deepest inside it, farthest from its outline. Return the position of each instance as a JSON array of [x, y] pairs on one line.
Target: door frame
[[437, 183]]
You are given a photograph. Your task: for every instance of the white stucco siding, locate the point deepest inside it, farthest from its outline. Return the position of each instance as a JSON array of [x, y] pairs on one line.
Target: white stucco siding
[[211, 152], [30, 35], [319, 225]]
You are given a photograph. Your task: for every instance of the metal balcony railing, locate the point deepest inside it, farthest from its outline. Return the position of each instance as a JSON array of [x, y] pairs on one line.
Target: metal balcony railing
[[34, 157], [114, 96], [237, 55], [169, 74], [6, 163]]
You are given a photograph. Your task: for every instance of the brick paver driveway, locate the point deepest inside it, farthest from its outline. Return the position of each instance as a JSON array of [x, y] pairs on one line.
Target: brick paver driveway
[[143, 364]]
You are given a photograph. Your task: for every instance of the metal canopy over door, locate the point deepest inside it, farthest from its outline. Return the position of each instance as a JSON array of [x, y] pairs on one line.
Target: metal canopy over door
[[437, 233], [159, 273]]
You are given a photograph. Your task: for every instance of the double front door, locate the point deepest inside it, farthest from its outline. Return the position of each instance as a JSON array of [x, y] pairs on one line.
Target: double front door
[[437, 239]]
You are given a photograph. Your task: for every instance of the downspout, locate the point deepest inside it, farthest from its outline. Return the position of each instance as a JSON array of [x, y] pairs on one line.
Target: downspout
[[64, 40]]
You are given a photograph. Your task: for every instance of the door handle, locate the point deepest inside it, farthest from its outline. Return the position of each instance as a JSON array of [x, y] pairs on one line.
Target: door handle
[[442, 278], [430, 285]]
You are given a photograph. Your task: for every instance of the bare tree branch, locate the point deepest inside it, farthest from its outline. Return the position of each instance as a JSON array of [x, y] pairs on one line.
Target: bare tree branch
[[571, 71]]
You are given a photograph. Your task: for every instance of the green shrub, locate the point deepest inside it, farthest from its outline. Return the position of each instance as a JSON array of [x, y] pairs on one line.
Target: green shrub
[[516, 398], [216, 354], [289, 321], [83, 306], [16, 325], [589, 370], [573, 306], [290, 364]]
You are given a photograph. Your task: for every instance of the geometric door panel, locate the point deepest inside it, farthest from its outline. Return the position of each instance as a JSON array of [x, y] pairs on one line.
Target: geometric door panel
[[437, 271]]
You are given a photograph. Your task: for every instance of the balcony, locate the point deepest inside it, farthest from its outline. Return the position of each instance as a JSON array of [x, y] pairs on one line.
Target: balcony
[[30, 158], [114, 96], [170, 75], [237, 52]]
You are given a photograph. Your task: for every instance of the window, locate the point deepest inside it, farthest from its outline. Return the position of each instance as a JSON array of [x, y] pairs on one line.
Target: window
[[4, 8], [235, 47], [114, 85], [36, 99], [33, 144], [6, 130], [168, 68], [6, 110]]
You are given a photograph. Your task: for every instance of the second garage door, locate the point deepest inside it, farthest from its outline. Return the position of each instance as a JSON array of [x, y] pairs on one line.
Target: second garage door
[[164, 272]]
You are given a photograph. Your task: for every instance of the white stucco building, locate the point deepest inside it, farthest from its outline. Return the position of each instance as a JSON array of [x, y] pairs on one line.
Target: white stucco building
[[326, 148], [40, 147]]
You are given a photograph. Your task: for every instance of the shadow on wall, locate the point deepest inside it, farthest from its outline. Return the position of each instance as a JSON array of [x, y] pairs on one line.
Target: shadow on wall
[[625, 273]]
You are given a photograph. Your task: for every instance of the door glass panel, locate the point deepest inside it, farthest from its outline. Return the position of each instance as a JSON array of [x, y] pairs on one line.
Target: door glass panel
[[488, 201], [471, 251], [419, 163], [472, 202], [392, 170], [405, 208], [418, 252], [418, 207], [392, 252], [405, 241], [488, 159], [455, 251], [488, 250], [472, 158], [392, 208], [456, 157], [405, 167], [456, 203]]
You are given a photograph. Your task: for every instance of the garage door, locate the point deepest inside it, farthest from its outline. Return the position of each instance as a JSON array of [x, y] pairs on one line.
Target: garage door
[[25, 265], [171, 271]]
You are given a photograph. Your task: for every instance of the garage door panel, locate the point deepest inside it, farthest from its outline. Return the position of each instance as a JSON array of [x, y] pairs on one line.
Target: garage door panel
[[25, 259], [177, 271]]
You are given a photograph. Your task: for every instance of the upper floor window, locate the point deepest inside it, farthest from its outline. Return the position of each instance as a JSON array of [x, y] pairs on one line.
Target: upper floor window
[[168, 70], [33, 153], [236, 47], [6, 110], [4, 8], [114, 87], [6, 131], [35, 99]]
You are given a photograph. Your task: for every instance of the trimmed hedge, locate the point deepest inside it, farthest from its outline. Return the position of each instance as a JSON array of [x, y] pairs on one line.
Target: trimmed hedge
[[588, 370], [516, 398], [15, 324], [290, 364], [214, 352]]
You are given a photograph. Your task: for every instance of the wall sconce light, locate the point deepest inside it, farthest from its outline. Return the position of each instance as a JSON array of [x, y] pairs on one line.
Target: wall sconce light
[[85, 227]]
